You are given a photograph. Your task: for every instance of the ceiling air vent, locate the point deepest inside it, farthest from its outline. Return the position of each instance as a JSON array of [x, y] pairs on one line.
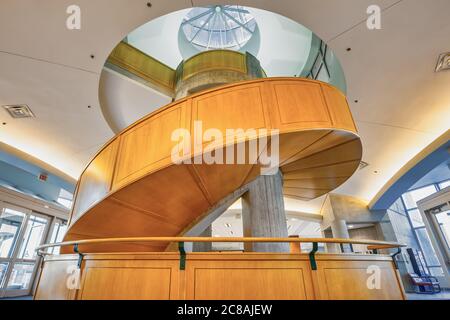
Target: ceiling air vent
[[19, 111], [443, 62], [362, 165]]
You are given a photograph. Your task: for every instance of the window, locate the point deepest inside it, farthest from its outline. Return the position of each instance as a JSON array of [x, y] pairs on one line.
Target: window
[[21, 232], [320, 70], [411, 198], [444, 184], [426, 249], [443, 220], [10, 223], [219, 27], [33, 237], [59, 230], [416, 218], [65, 198], [3, 268], [21, 275]]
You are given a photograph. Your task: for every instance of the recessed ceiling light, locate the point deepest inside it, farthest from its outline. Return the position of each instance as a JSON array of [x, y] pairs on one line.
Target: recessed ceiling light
[[351, 226], [443, 62]]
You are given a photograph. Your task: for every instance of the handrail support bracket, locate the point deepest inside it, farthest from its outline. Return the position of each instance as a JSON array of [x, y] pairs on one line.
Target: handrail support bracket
[[312, 256], [182, 255], [80, 255]]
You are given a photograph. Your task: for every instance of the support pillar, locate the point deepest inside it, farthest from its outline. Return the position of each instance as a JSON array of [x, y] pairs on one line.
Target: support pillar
[[339, 230], [263, 213], [203, 246]]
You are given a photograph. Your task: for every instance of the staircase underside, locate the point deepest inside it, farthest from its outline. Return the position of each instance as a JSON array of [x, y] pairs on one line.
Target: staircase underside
[[132, 188]]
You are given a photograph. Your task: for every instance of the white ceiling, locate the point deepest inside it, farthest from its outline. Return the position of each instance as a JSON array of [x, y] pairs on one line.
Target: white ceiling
[[403, 105]]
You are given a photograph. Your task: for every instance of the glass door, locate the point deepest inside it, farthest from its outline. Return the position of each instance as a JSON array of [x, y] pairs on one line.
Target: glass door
[[21, 232], [442, 222]]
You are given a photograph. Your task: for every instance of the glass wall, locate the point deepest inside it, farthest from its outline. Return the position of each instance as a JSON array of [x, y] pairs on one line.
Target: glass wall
[[410, 200], [57, 234], [21, 232]]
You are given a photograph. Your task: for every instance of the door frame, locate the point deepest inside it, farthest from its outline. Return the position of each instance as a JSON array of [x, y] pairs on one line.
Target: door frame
[[13, 259], [428, 207]]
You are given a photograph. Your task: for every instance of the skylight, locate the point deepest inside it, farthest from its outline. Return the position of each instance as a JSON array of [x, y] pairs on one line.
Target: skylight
[[219, 27]]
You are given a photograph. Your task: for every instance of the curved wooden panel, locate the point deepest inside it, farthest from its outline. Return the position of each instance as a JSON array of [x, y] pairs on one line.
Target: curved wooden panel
[[221, 276], [133, 178], [144, 66], [214, 60]]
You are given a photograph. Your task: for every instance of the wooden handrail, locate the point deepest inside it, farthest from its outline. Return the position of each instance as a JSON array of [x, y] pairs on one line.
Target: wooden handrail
[[372, 243], [380, 247]]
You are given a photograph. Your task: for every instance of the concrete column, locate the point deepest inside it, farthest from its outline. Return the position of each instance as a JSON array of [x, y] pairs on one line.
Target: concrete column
[[263, 213], [203, 246], [340, 230]]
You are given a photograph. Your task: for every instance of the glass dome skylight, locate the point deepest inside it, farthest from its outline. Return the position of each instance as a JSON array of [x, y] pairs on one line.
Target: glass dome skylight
[[219, 27]]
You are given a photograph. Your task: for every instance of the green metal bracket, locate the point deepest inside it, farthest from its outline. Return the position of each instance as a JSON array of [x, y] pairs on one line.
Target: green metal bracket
[[182, 255], [312, 256], [80, 255]]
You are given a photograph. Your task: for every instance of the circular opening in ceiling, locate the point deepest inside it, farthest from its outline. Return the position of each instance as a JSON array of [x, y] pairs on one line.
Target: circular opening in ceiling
[[219, 27]]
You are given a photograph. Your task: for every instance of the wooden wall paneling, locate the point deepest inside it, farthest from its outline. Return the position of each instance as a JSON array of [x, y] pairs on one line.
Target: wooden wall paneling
[[345, 169], [130, 280], [239, 107], [95, 183], [315, 183], [219, 180], [347, 151], [293, 143], [347, 280], [324, 143], [147, 146], [172, 194], [338, 108], [253, 280], [221, 276], [304, 193], [299, 105], [53, 279]]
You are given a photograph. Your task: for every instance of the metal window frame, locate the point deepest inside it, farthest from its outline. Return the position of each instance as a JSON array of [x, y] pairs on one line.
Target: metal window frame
[[437, 188], [14, 259], [321, 54]]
